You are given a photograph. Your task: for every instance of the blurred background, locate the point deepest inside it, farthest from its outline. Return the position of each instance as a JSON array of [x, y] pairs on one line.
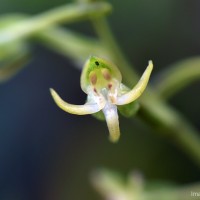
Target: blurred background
[[48, 154]]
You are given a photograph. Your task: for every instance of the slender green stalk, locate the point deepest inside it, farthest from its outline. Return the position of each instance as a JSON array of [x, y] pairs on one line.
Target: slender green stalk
[[71, 44], [105, 35], [63, 14], [178, 76], [170, 124]]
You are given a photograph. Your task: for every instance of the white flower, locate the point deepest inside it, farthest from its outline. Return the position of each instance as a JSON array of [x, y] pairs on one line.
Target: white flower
[[101, 81]]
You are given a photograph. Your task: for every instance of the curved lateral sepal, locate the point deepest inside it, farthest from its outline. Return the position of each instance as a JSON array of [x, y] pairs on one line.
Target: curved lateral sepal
[[75, 109], [138, 89]]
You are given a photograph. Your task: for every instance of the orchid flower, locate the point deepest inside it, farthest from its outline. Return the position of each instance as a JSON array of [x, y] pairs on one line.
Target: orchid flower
[[101, 81]]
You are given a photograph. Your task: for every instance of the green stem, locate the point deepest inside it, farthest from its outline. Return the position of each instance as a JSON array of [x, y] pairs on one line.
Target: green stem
[[104, 32], [170, 124], [178, 76], [63, 14], [71, 44]]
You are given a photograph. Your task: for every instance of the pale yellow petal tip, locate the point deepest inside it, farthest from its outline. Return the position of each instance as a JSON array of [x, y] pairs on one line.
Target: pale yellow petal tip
[[53, 94], [150, 65], [114, 138], [55, 97], [52, 91]]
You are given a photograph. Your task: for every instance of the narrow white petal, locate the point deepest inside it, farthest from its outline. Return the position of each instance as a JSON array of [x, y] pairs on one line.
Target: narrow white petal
[[138, 89], [75, 109], [111, 115]]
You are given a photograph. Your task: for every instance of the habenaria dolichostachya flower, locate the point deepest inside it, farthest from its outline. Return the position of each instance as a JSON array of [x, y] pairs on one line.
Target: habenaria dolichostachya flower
[[101, 81]]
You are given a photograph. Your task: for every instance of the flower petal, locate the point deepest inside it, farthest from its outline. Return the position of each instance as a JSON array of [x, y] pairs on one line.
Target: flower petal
[[138, 89], [75, 109], [111, 115]]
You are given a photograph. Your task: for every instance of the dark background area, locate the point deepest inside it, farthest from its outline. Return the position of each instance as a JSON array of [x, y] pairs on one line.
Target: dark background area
[[48, 154]]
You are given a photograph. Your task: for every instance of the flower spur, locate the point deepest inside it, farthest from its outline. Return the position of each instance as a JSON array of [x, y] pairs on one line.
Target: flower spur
[[101, 81]]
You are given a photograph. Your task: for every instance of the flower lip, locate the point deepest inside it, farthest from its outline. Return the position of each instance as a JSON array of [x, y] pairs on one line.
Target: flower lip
[[111, 115]]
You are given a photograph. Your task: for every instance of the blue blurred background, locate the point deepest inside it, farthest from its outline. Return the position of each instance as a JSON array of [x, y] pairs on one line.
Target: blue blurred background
[[48, 154]]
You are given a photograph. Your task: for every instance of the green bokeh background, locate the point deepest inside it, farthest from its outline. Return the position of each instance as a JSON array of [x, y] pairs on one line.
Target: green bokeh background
[[48, 154]]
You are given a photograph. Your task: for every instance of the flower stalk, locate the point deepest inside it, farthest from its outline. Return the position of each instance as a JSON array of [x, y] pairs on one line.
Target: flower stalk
[[64, 14]]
